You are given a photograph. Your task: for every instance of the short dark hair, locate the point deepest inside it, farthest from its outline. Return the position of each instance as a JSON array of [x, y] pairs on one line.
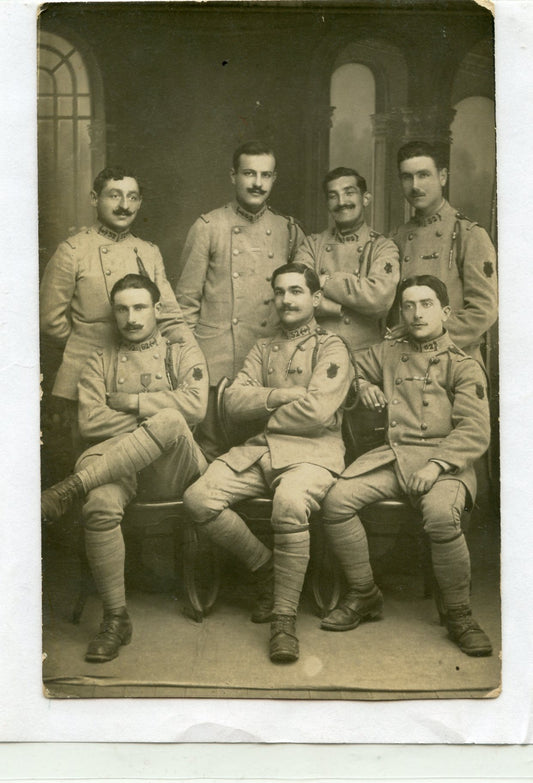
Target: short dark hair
[[136, 281], [253, 147], [431, 281], [418, 149], [113, 172], [311, 278], [342, 171]]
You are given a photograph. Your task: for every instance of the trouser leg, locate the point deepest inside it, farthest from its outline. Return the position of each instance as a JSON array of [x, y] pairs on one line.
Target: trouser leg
[[207, 502], [128, 454], [441, 510], [343, 527], [207, 433], [298, 492]]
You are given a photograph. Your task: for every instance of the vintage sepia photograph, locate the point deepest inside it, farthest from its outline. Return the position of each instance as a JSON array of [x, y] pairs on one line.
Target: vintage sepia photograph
[[269, 350]]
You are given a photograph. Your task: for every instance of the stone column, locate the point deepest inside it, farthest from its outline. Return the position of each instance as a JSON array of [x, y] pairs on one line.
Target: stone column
[[317, 157]]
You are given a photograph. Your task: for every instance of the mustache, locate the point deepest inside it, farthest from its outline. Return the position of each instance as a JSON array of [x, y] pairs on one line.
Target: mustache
[[122, 211], [417, 193], [343, 206], [289, 309], [133, 327], [258, 191]]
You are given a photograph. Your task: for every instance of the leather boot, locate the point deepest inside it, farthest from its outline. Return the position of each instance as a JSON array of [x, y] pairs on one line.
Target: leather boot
[[115, 630], [284, 647], [353, 609], [466, 633], [264, 593], [57, 500]]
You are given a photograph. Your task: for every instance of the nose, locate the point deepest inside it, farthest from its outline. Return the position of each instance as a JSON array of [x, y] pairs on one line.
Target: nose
[[418, 312]]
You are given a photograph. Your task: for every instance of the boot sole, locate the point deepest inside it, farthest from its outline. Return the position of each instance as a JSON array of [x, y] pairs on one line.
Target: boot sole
[[266, 618], [284, 657], [96, 658], [350, 626]]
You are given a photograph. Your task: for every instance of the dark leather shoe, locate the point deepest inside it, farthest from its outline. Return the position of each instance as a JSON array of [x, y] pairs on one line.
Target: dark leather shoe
[[284, 647], [466, 633], [353, 609], [264, 593], [116, 629], [57, 500]]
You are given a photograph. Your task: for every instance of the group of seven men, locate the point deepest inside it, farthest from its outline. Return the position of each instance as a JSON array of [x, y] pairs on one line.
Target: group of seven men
[[290, 320]]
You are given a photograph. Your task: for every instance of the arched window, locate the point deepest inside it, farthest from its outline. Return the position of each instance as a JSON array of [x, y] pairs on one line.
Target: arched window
[[353, 100], [68, 115]]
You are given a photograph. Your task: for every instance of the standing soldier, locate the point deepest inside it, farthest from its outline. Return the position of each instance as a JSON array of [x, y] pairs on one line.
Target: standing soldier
[[442, 242], [75, 293], [138, 398], [358, 267], [293, 386], [228, 259]]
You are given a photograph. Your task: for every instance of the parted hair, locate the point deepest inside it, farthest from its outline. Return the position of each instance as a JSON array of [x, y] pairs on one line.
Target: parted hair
[[311, 278], [343, 171], [431, 281], [113, 172], [136, 281], [253, 147], [419, 149]]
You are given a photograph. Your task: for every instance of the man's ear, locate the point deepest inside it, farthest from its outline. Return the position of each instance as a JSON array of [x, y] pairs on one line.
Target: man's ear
[[94, 198], [443, 176], [157, 307], [446, 312], [367, 198], [317, 296], [232, 175]]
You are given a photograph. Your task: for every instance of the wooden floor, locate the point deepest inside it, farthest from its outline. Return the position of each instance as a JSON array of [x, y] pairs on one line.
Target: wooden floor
[[404, 656]]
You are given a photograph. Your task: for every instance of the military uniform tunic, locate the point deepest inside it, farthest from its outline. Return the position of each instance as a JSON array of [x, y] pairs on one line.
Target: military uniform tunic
[[224, 289], [362, 275], [437, 409], [461, 254], [74, 300]]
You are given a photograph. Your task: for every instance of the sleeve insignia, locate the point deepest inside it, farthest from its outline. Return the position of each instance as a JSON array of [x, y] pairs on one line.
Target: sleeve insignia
[[388, 267], [197, 373], [488, 269], [480, 391], [332, 370]]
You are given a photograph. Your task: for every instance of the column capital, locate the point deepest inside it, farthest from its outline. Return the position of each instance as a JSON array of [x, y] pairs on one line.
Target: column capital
[[430, 122]]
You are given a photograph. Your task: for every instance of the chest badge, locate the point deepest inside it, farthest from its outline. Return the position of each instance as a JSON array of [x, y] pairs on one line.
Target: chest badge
[[146, 380], [197, 373], [488, 269], [332, 370]]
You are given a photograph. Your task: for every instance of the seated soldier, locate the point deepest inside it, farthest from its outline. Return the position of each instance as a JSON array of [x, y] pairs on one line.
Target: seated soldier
[[138, 398], [293, 385], [438, 424]]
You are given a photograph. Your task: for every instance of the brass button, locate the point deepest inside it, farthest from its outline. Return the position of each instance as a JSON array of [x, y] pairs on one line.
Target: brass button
[[120, 380], [360, 249], [156, 356], [398, 381], [438, 233], [435, 360], [393, 423], [407, 258], [236, 230], [264, 323], [235, 252], [234, 320], [425, 403], [328, 248], [346, 320], [270, 370], [423, 426], [108, 272], [275, 347], [395, 402], [123, 358], [104, 250], [405, 358], [268, 231], [271, 255], [269, 278], [299, 370], [235, 274], [158, 375], [410, 236]]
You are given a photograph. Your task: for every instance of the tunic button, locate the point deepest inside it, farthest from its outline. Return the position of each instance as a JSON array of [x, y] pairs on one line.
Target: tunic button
[[268, 279], [120, 380], [299, 370], [108, 272], [264, 323], [438, 233], [404, 357], [323, 271], [236, 230], [407, 258], [423, 426], [435, 360], [104, 250], [398, 381], [395, 402], [268, 231], [410, 236], [158, 375], [393, 423], [425, 403], [234, 320], [328, 248], [360, 249], [156, 356], [270, 370], [346, 320], [235, 274], [235, 252], [271, 255], [275, 347], [123, 358]]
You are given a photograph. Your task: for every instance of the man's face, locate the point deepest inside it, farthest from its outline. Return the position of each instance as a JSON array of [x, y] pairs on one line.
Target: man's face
[[135, 314], [293, 300], [423, 313], [253, 180], [118, 203], [346, 203], [422, 183]]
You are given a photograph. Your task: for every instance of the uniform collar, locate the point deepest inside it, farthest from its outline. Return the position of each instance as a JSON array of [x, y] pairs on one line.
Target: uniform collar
[[114, 236], [302, 331], [352, 235], [251, 217], [153, 342], [435, 217], [433, 346]]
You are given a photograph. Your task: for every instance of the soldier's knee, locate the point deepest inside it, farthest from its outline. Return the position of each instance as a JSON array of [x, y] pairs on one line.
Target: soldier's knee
[[166, 425], [289, 509], [336, 504], [100, 514], [196, 502]]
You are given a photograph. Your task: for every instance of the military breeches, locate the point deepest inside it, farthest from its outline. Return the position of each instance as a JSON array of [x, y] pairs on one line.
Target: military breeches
[[180, 462], [297, 491], [441, 508]]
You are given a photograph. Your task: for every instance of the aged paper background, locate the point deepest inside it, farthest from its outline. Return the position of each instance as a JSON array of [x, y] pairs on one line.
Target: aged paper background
[[26, 715]]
